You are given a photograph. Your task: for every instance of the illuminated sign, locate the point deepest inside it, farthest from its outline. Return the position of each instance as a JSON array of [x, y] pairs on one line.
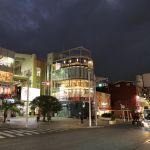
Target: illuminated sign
[[33, 92], [104, 104], [10, 100]]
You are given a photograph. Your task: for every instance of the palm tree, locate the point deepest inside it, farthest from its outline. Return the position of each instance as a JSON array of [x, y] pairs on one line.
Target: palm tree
[[8, 106], [46, 104]]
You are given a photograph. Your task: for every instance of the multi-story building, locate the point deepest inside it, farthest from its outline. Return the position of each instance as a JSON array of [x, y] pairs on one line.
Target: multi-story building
[[128, 94], [68, 73], [37, 68], [6, 71], [6, 74]]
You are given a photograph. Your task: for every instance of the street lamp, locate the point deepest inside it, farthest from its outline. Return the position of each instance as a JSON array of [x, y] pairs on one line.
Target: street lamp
[[28, 81], [89, 73], [95, 100], [97, 79]]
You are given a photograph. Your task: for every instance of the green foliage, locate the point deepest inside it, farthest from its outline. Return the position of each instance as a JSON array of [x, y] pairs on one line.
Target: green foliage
[[11, 106], [46, 104], [16, 97], [107, 115], [113, 117]]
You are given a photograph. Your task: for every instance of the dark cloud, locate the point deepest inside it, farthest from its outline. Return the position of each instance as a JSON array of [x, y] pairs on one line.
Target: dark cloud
[[116, 31]]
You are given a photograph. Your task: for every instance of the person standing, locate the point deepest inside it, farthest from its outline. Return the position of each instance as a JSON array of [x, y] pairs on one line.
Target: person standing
[[92, 118], [5, 116], [81, 120]]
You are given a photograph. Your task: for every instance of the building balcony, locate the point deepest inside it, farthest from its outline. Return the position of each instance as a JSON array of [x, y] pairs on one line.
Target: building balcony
[[19, 77]]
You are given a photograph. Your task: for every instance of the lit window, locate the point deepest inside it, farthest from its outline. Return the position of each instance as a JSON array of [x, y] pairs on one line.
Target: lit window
[[117, 85], [127, 84]]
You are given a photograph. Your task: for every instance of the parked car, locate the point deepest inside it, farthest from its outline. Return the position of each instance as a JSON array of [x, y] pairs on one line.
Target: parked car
[[136, 120]]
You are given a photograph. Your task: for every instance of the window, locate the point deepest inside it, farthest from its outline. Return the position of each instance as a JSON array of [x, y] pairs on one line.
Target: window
[[127, 84], [38, 72], [117, 85]]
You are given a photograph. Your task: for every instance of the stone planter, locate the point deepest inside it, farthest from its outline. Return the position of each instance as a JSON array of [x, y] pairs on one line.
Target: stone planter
[[104, 118], [112, 122]]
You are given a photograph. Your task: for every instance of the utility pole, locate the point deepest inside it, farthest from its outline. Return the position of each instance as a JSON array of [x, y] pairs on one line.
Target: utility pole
[[28, 81], [89, 73]]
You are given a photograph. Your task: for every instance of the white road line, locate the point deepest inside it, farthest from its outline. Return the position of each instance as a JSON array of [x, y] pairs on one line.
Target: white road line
[[16, 131], [9, 132], [1, 137], [19, 134], [51, 131], [28, 133], [9, 135], [43, 131]]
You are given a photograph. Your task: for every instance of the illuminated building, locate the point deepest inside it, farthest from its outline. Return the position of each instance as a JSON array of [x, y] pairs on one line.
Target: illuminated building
[[6, 75], [6, 72], [67, 72], [23, 63]]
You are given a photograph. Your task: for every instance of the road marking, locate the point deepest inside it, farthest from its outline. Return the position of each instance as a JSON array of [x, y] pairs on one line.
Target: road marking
[[148, 141], [2, 137], [9, 135], [9, 132], [17, 132], [51, 130], [40, 130], [28, 133], [20, 134]]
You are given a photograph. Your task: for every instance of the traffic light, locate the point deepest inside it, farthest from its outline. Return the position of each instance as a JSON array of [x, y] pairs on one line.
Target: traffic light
[[83, 104], [100, 85], [47, 83]]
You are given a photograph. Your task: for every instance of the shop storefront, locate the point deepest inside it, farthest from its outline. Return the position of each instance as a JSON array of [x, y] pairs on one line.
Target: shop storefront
[[103, 103]]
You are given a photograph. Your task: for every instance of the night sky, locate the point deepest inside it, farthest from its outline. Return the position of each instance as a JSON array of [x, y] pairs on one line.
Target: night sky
[[116, 31]]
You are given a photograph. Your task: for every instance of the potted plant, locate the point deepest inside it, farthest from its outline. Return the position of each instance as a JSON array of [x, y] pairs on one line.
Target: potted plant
[[106, 116], [113, 119]]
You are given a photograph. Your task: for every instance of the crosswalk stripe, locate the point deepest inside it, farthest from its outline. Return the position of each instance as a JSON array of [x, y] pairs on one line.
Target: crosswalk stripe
[[17, 131], [28, 133], [22, 132], [2, 137], [7, 134], [51, 131], [19, 134]]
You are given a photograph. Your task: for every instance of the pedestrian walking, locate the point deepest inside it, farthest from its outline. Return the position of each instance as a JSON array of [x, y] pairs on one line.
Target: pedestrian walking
[[81, 119], [92, 118], [38, 118], [49, 117], [5, 116]]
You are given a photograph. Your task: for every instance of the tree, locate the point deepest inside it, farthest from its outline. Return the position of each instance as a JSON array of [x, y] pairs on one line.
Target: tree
[[46, 104], [11, 106]]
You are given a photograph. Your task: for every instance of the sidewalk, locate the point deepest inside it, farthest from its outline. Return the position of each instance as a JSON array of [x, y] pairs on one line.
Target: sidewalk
[[57, 122]]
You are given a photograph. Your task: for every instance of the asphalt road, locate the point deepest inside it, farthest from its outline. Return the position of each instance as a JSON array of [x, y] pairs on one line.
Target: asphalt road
[[115, 137]]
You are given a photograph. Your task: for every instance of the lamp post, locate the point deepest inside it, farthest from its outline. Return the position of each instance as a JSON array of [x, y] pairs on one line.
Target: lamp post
[[122, 108], [97, 79], [95, 100], [89, 72], [28, 81]]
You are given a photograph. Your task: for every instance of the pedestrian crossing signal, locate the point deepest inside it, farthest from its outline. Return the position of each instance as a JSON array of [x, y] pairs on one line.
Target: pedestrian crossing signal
[[100, 85], [83, 104]]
